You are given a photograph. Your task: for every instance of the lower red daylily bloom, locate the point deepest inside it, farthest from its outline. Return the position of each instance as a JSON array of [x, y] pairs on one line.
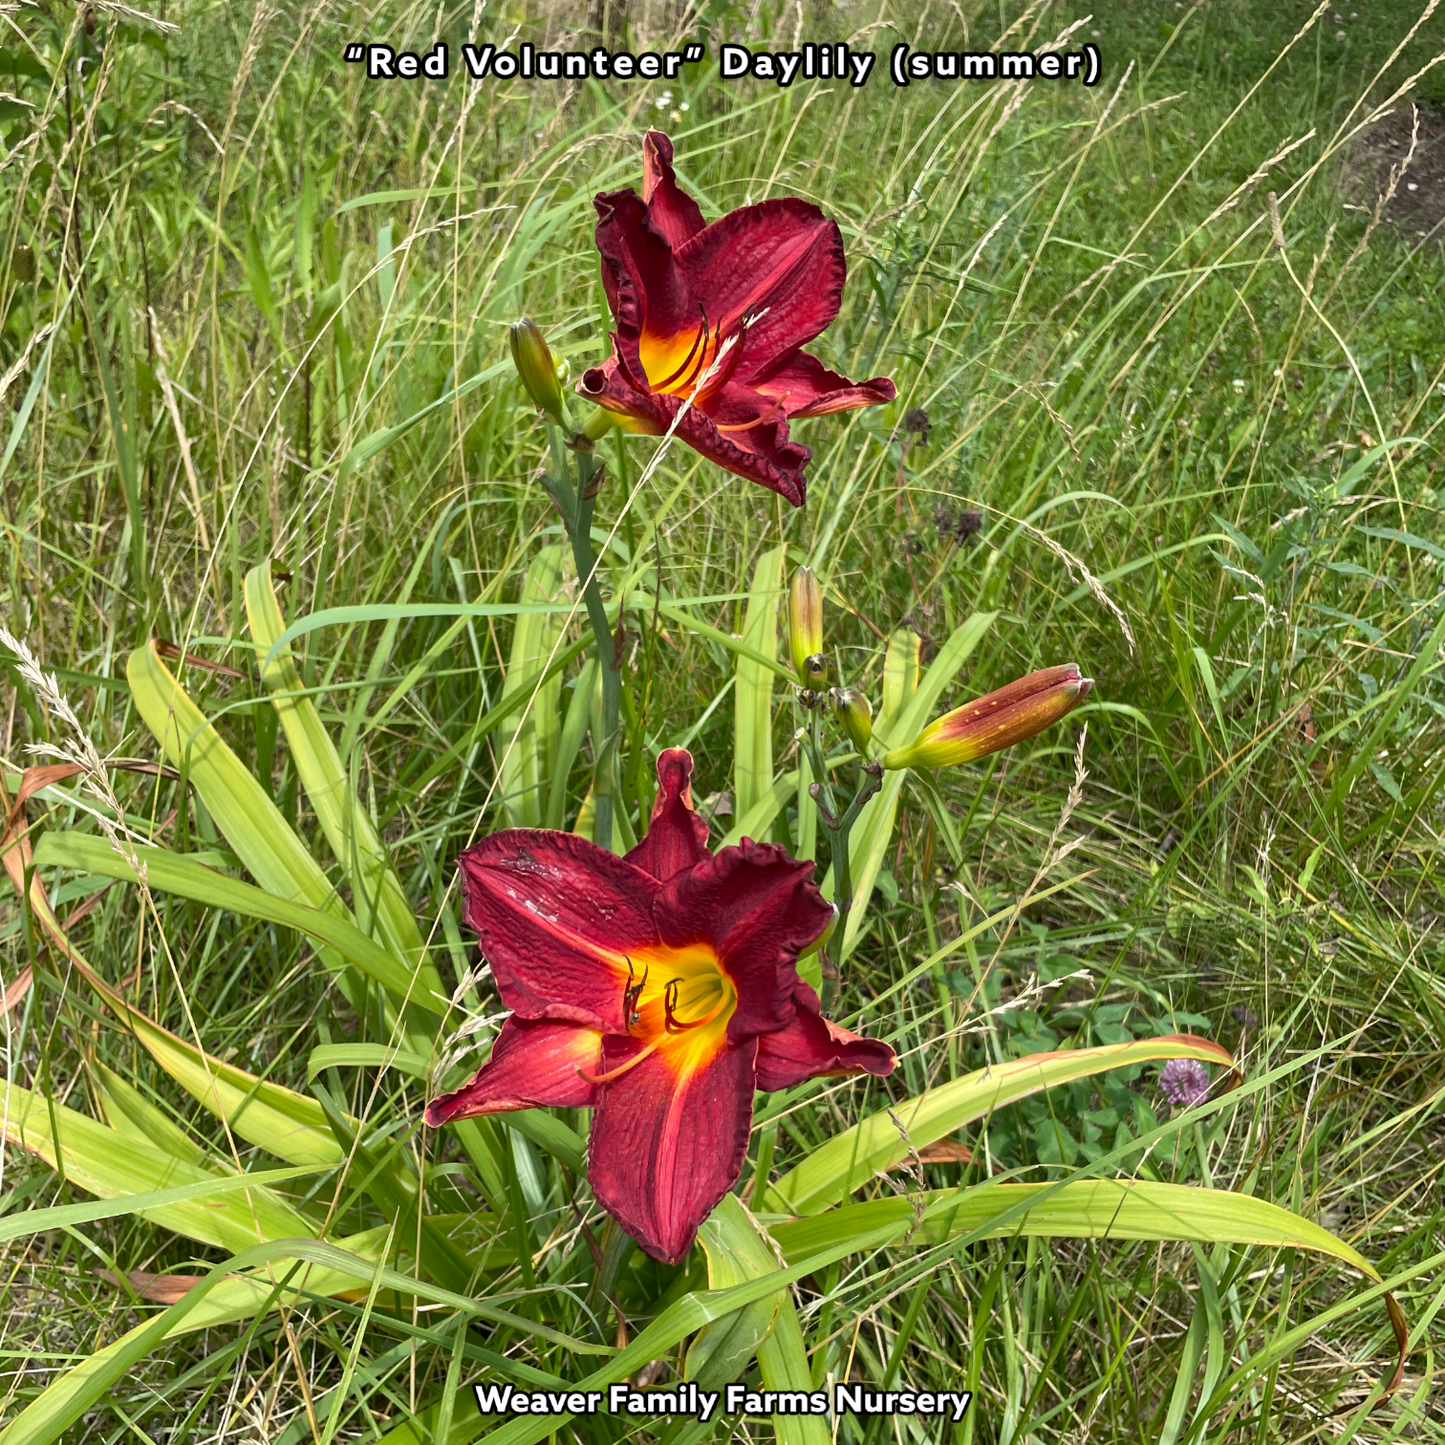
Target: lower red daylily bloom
[[744, 296], [660, 990]]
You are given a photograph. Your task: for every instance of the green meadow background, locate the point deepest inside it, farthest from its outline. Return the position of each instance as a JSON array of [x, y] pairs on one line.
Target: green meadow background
[[254, 312]]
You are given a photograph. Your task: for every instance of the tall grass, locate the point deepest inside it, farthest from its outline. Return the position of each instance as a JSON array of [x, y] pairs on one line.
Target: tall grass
[[1192, 379]]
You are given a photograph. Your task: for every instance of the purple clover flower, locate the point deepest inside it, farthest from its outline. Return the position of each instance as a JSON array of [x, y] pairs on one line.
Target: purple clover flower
[[1184, 1082]]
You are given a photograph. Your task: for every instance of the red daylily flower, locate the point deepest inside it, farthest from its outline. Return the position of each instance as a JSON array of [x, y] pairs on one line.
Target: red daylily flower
[[765, 278], [659, 990]]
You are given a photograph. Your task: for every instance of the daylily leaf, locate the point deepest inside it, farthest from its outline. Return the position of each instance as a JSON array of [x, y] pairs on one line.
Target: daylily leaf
[[527, 742], [745, 1252], [850, 1159], [783, 1361], [585, 698], [735, 1252], [147, 1205], [738, 1250], [104, 1162], [253, 825], [175, 873], [548, 1132], [674, 1324], [753, 695], [290, 1126], [677, 612], [132, 1114], [274, 856], [1082, 1209], [758, 820], [900, 677], [694, 1310], [381, 903], [374, 1056]]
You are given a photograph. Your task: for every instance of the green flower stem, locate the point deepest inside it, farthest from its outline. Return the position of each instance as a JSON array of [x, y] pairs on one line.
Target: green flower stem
[[576, 509], [865, 786], [820, 765], [842, 858]]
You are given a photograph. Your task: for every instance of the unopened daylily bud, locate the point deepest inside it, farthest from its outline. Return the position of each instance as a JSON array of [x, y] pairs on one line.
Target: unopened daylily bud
[[533, 359], [988, 724], [855, 714], [805, 628]]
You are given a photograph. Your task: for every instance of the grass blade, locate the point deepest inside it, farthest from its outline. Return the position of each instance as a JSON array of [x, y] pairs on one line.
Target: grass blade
[[753, 695]]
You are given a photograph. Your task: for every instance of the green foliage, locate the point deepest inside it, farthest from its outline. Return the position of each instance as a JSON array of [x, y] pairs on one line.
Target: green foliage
[[260, 414]]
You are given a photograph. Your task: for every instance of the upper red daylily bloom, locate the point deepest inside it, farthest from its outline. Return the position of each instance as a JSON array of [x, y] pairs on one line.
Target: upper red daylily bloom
[[660, 990], [752, 288]]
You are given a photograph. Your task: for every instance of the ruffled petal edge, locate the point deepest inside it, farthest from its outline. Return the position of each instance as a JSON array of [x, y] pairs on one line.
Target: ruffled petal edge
[[812, 1046]]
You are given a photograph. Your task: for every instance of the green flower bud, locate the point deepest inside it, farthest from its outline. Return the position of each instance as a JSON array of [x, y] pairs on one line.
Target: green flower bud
[[856, 716], [1010, 715], [805, 628], [533, 359]]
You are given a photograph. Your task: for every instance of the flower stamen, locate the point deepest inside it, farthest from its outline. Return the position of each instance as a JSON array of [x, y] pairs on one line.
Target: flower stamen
[[632, 993], [621, 1069], [700, 340], [777, 407], [675, 1025]]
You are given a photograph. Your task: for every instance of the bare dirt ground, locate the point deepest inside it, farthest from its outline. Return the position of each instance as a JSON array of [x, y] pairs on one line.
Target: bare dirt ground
[[1417, 209]]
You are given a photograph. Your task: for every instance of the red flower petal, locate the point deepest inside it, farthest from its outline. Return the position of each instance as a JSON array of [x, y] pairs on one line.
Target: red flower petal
[[610, 386], [807, 388], [784, 257], [673, 211], [811, 1045], [644, 288], [762, 454], [557, 917], [756, 908], [667, 1145], [533, 1065], [676, 837], [762, 281]]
